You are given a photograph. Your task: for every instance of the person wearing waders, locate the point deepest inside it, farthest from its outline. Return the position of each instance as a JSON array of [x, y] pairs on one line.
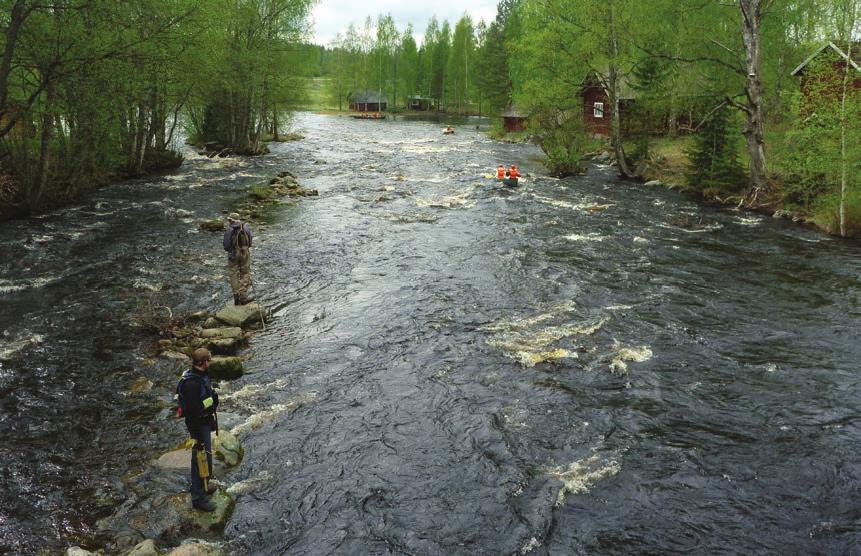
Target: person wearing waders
[[237, 243], [198, 402]]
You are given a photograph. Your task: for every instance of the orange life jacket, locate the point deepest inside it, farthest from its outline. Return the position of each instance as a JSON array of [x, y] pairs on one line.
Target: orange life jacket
[[513, 173], [500, 172]]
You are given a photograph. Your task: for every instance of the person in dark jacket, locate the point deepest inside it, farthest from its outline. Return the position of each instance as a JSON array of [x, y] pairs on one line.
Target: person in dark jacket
[[199, 402], [237, 243]]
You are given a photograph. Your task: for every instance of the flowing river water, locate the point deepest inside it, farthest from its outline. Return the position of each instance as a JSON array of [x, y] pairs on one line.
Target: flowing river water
[[578, 366]]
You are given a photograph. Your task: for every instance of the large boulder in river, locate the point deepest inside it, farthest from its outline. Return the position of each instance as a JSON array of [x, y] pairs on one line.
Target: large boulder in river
[[226, 368], [241, 315], [228, 449]]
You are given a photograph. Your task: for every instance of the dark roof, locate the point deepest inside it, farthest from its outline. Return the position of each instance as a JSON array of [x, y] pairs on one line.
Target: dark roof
[[367, 97], [841, 49], [626, 92], [513, 112]]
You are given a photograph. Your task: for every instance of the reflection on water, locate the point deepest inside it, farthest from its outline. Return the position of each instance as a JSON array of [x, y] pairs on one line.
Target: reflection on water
[[575, 366]]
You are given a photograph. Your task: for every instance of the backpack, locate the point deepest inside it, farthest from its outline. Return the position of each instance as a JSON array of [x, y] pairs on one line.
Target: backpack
[[237, 240], [187, 375]]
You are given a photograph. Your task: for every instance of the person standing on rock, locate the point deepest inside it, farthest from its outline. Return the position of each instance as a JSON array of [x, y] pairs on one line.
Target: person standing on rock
[[199, 401], [237, 243]]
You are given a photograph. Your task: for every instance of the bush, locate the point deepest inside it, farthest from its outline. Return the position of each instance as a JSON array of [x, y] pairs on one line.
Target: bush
[[826, 213], [562, 136]]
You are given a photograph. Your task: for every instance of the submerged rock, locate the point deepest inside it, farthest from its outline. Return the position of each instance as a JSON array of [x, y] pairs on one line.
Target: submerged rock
[[196, 549], [78, 551], [226, 368], [241, 315], [145, 548]]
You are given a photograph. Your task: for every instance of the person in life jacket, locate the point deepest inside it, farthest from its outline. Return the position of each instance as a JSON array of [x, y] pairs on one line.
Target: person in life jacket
[[237, 243], [198, 403], [512, 172], [500, 172]]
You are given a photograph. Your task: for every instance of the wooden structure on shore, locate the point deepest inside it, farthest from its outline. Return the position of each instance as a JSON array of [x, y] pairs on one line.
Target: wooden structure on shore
[[513, 119], [367, 101], [597, 107], [416, 102], [822, 73]]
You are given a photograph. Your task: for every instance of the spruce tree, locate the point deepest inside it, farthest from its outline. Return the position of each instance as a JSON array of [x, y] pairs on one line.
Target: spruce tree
[[714, 166]]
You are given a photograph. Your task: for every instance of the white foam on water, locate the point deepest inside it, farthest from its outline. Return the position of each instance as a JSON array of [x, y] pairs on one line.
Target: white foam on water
[[140, 284], [529, 358], [587, 237], [746, 221], [702, 230], [771, 368], [251, 392], [636, 354], [420, 149], [638, 239], [460, 200], [252, 484], [8, 286], [525, 339], [580, 476], [256, 421], [530, 545], [14, 346]]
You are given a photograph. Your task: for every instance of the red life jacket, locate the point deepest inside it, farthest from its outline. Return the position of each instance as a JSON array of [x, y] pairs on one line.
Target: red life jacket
[[513, 173], [500, 172]]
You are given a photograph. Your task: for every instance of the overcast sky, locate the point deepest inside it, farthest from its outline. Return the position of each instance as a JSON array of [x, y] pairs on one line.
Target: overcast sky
[[330, 17]]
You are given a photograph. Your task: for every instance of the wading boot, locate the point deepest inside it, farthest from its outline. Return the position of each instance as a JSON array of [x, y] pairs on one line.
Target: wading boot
[[205, 506], [236, 300]]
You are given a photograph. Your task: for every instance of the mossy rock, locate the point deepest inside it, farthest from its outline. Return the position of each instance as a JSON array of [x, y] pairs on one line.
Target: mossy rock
[[224, 332], [196, 549], [145, 548], [260, 192], [207, 521], [228, 449], [242, 316], [226, 368], [212, 226], [224, 346]]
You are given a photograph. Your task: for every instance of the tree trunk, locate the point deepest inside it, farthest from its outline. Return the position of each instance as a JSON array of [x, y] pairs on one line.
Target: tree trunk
[[751, 15], [39, 184], [614, 92]]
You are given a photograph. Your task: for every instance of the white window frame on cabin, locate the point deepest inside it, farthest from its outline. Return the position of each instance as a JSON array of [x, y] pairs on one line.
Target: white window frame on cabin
[[598, 110]]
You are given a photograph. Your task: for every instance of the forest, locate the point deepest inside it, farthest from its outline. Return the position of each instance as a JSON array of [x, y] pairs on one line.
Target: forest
[[706, 95]]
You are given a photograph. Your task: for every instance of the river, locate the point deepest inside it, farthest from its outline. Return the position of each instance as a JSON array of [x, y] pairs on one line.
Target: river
[[582, 366]]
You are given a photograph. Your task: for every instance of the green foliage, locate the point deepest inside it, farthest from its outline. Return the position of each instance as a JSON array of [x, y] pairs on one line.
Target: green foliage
[[714, 166], [562, 136], [825, 212]]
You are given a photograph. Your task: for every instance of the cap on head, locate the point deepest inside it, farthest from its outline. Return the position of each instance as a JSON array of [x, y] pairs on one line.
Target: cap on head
[[200, 356], [233, 217]]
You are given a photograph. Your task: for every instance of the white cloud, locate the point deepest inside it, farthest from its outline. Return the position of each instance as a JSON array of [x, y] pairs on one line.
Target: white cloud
[[330, 17]]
